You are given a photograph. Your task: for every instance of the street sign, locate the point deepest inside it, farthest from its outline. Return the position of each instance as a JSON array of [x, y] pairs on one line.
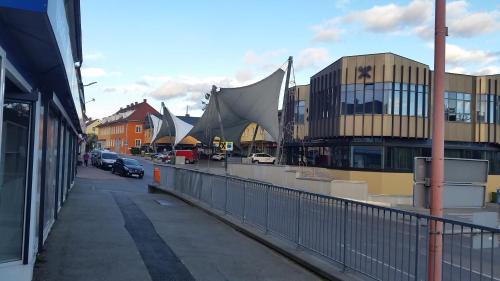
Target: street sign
[[464, 183], [229, 145]]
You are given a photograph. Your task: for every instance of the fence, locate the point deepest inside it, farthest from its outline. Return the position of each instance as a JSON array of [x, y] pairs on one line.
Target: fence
[[378, 242]]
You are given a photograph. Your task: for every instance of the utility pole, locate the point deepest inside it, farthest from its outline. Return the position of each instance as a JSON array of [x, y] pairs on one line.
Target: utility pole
[[435, 254], [215, 95], [283, 113]]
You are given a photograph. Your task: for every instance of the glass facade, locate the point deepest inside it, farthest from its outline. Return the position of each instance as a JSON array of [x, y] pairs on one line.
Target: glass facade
[[13, 177], [384, 98], [299, 112]]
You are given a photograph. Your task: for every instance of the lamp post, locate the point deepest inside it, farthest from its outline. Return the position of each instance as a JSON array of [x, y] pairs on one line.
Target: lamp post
[[435, 250]]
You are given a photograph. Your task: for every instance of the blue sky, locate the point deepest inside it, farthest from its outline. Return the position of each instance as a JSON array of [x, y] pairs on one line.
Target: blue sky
[[172, 51]]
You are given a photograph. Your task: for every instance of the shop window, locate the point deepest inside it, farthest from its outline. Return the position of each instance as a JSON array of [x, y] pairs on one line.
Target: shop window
[[13, 178], [367, 157]]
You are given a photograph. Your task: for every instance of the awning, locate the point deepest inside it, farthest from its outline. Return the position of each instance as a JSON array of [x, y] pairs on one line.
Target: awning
[[241, 106]]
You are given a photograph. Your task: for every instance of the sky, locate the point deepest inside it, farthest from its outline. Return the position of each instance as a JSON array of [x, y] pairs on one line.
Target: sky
[[173, 51]]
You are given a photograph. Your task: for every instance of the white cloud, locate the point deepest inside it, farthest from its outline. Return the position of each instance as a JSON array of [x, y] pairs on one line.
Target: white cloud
[[312, 57], [464, 23], [456, 55], [457, 69], [327, 31], [392, 17], [93, 56], [488, 70], [90, 72], [416, 17]]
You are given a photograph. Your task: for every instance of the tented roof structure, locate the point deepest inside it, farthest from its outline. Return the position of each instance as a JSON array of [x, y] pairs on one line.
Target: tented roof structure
[[169, 125], [239, 107]]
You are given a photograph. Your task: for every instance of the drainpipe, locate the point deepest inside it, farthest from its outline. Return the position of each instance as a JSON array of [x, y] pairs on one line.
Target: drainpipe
[[435, 254]]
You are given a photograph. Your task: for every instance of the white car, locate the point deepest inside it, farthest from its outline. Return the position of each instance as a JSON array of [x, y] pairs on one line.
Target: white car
[[218, 156], [261, 158], [106, 159]]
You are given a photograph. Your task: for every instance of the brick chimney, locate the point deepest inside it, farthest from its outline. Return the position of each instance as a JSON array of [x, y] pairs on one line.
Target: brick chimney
[[144, 100], [136, 103]]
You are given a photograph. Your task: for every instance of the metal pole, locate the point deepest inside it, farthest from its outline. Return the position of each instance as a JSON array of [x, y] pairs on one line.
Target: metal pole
[[435, 254], [283, 111], [221, 137], [253, 140]]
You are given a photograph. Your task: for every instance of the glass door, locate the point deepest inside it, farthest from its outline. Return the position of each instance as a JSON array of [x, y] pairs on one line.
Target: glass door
[[14, 153]]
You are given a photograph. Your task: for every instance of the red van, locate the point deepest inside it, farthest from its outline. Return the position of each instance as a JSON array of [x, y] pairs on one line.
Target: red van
[[190, 156]]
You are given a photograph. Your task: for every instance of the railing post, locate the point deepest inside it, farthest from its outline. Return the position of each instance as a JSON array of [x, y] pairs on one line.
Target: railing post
[[267, 207], [225, 197], [344, 239], [299, 208], [417, 236], [244, 201], [211, 191]]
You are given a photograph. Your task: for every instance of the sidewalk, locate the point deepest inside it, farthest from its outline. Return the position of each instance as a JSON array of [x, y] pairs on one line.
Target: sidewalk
[[112, 229]]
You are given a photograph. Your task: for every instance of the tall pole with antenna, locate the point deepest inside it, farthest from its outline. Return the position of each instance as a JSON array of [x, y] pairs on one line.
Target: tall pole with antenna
[[435, 254], [280, 141]]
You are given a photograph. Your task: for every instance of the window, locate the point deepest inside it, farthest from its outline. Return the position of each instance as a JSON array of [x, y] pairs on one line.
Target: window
[[367, 157], [387, 98], [299, 114], [13, 177], [457, 106], [138, 143], [359, 100], [404, 99], [481, 108], [138, 128], [369, 98]]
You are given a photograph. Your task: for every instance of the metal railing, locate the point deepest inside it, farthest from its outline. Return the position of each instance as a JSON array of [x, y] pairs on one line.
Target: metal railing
[[379, 242]]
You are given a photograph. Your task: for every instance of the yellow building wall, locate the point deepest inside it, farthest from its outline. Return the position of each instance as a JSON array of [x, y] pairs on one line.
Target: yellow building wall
[[247, 134], [386, 183]]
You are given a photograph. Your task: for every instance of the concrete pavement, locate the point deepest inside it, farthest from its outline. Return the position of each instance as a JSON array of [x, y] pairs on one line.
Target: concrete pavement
[[111, 229]]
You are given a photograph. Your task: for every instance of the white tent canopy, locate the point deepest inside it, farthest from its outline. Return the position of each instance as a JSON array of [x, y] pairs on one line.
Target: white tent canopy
[[241, 106], [169, 125]]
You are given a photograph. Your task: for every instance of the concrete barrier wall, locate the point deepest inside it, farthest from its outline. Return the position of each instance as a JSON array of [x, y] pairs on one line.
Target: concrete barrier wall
[[307, 179]]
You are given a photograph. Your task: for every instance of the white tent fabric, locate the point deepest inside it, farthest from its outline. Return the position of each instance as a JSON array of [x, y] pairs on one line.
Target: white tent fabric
[[181, 128], [156, 124], [241, 106], [169, 125]]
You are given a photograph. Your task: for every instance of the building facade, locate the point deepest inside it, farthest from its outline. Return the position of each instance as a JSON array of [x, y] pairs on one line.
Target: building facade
[[373, 113], [125, 129], [41, 116]]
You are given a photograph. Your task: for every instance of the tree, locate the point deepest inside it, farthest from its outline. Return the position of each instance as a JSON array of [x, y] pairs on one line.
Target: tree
[[91, 142]]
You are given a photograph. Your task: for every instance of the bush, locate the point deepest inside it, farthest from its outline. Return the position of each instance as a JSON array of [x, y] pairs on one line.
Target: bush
[[135, 151]]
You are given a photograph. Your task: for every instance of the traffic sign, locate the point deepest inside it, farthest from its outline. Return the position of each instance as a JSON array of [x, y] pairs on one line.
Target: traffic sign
[[229, 145]]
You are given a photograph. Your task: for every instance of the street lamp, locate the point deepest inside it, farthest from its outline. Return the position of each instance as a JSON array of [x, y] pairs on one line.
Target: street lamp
[[93, 99]]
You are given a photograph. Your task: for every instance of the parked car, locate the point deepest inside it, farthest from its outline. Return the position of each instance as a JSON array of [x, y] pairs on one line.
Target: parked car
[[262, 158], [218, 156], [106, 159], [127, 167]]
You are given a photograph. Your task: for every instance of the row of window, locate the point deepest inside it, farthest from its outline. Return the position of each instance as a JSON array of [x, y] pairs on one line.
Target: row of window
[[119, 143], [384, 98], [378, 157], [408, 100], [118, 130]]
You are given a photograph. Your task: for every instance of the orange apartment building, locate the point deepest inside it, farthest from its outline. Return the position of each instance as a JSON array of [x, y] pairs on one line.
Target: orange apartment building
[[125, 129]]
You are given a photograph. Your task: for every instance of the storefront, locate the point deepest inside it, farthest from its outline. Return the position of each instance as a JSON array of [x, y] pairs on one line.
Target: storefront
[[41, 111]]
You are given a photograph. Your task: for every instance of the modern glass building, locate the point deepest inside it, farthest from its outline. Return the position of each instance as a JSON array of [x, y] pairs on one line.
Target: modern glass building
[[373, 113], [41, 110]]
